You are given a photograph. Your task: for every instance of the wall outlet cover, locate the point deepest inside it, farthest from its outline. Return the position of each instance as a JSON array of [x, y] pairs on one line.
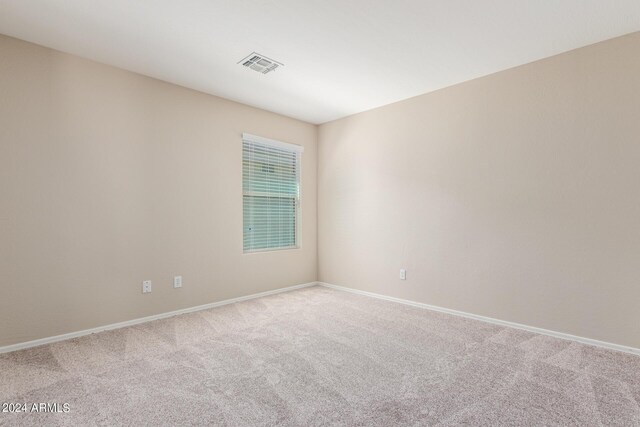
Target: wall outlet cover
[[146, 286]]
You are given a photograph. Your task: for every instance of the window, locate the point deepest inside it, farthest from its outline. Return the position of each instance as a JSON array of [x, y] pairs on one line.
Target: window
[[270, 194]]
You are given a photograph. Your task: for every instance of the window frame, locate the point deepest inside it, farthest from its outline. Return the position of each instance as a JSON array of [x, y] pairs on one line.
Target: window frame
[[297, 150]]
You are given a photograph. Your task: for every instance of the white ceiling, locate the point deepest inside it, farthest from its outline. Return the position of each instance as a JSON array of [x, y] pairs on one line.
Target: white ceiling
[[341, 56]]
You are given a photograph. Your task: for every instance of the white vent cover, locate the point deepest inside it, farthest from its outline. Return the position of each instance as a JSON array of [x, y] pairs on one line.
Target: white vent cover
[[260, 63]]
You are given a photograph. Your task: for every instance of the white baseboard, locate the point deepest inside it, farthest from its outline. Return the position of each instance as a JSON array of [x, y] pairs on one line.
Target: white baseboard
[[49, 340], [561, 335], [555, 334]]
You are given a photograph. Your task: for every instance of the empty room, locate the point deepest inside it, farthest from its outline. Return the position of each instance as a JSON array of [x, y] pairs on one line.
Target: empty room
[[320, 213]]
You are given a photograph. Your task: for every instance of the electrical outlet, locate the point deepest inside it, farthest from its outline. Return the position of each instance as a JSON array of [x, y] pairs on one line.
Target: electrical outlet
[[177, 282], [403, 274], [146, 286]]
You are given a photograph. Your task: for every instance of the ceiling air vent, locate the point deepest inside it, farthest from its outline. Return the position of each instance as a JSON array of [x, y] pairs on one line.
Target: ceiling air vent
[[260, 63]]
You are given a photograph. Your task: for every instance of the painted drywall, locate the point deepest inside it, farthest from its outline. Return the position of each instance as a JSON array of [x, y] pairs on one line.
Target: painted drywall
[[515, 196], [108, 178]]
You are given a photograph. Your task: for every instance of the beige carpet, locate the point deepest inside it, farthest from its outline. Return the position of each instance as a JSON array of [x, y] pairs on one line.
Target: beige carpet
[[317, 356]]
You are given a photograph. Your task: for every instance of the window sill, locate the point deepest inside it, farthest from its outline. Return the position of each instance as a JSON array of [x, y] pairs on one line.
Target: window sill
[[260, 251]]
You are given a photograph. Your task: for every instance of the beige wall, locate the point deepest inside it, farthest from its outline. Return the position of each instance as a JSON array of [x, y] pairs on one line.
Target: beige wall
[[514, 196], [108, 178]]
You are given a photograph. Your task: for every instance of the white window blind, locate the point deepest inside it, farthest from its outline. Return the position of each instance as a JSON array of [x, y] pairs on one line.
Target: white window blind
[[270, 193]]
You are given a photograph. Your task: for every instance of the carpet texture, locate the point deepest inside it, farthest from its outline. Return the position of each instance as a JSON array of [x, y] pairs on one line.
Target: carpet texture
[[318, 356]]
